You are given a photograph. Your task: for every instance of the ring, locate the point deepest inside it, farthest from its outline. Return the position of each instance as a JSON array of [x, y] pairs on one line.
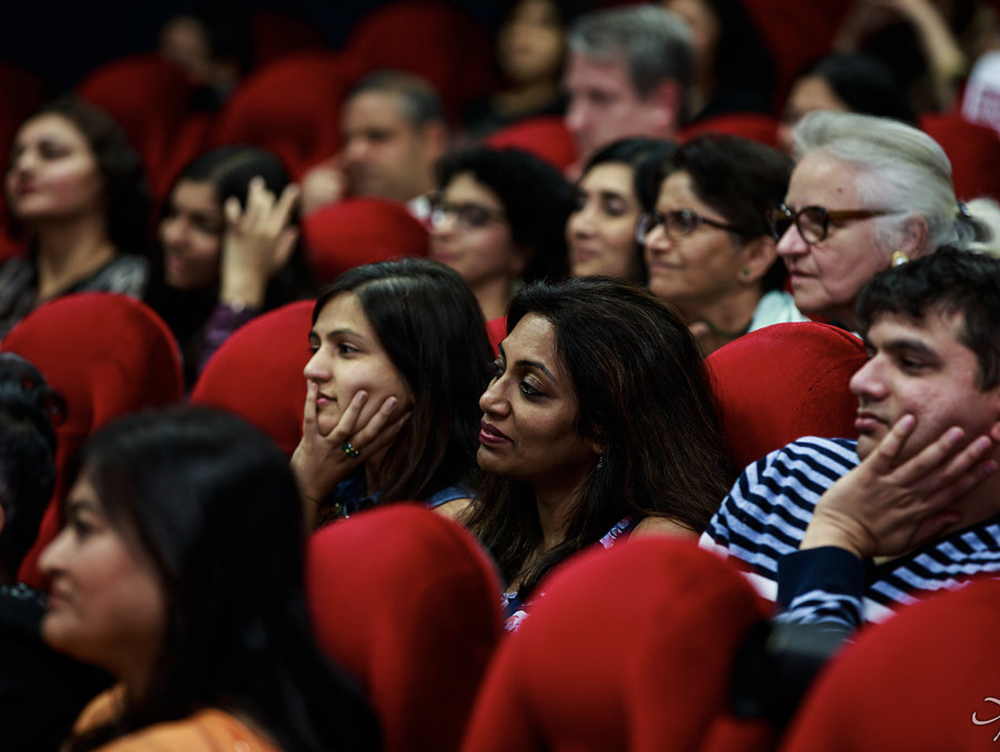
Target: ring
[[350, 451]]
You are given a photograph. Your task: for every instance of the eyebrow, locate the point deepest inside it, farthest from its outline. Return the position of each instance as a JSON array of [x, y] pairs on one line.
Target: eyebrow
[[335, 333], [903, 343], [530, 363]]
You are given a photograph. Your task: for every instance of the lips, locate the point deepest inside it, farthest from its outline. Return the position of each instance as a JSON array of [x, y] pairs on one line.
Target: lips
[[867, 422], [490, 435], [324, 399]]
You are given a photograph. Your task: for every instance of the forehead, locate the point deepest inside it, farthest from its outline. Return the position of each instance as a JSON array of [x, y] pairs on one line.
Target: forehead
[[611, 177], [51, 126], [937, 330], [819, 179], [677, 192], [814, 93], [464, 188], [374, 109], [195, 195], [343, 311], [608, 75], [534, 338]]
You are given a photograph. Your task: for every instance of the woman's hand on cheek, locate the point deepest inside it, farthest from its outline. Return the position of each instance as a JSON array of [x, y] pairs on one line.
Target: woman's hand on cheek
[[322, 461]]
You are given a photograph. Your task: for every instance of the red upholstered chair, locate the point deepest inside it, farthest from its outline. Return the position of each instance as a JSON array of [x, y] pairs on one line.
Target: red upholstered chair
[[974, 151], [924, 681], [291, 107], [408, 603], [276, 34], [546, 137], [782, 382], [257, 373], [359, 231], [150, 99], [760, 128], [630, 648], [107, 355], [432, 39]]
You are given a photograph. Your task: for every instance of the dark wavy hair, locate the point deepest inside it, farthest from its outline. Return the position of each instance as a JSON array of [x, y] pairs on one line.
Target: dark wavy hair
[[433, 331], [28, 407], [741, 179], [536, 198], [865, 84], [212, 503], [129, 201], [642, 388]]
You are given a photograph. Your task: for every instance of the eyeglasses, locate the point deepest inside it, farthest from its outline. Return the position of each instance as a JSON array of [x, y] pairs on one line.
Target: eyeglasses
[[676, 224], [468, 216], [813, 222]]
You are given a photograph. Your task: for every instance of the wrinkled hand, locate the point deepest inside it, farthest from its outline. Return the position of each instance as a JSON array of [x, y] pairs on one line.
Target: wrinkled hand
[[885, 507], [320, 462], [324, 184], [257, 243]]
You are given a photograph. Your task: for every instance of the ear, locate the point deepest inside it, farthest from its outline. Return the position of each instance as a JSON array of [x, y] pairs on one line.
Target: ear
[[666, 103], [756, 256], [912, 237], [435, 141]]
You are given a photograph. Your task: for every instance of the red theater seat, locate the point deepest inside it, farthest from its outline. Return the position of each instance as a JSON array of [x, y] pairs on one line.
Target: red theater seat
[[406, 601], [546, 137], [760, 128], [107, 355], [974, 151], [257, 373]]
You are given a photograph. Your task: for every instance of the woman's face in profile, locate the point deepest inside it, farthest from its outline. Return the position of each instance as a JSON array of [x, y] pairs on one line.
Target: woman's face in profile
[[530, 412], [53, 172], [191, 236], [348, 357], [106, 604], [600, 232]]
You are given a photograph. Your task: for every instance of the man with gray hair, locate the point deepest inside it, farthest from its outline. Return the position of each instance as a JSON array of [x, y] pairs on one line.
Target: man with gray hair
[[628, 73], [393, 131]]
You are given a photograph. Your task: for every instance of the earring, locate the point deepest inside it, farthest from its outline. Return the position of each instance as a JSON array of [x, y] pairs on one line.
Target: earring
[[600, 461], [746, 272], [898, 258]]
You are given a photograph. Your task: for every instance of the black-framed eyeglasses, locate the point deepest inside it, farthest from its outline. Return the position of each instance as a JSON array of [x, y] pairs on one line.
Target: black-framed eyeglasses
[[676, 224], [467, 215], [813, 222]]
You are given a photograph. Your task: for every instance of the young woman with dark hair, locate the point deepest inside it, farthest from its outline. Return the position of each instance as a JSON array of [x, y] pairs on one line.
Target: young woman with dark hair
[[228, 249], [499, 220], [76, 188], [617, 185], [400, 359], [709, 248], [599, 422], [180, 571]]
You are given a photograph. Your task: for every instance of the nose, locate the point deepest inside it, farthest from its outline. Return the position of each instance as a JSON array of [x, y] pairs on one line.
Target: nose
[[576, 119], [657, 241], [172, 231], [792, 243], [53, 555], [868, 382], [581, 222], [493, 402], [355, 150], [318, 368]]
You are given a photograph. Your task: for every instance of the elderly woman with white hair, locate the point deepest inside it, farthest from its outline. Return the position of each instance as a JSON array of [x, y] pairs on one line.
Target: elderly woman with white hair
[[867, 193]]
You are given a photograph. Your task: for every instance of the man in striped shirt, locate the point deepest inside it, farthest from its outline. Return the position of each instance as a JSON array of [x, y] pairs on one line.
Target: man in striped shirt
[[843, 532]]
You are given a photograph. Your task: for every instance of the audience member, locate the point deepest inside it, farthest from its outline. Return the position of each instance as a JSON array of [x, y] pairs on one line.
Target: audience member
[[393, 131], [867, 193], [77, 189], [228, 250], [498, 220], [151, 580], [41, 692], [599, 423], [628, 74], [708, 247], [531, 52], [400, 358], [616, 186], [843, 532], [844, 83]]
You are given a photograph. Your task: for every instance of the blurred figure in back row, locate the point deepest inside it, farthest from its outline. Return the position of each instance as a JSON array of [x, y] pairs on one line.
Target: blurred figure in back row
[[76, 187], [393, 131]]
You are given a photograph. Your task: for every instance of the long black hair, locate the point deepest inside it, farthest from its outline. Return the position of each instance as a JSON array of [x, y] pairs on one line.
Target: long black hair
[[433, 331], [643, 390], [213, 505]]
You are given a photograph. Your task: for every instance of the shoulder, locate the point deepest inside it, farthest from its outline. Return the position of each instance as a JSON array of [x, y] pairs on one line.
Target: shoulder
[[127, 275], [776, 307], [205, 731], [662, 526]]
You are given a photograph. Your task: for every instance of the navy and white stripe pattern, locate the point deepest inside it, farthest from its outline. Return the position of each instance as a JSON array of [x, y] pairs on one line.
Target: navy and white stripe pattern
[[763, 520]]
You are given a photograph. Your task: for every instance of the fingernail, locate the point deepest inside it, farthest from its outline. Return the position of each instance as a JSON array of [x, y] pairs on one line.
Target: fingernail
[[362, 396], [392, 402], [954, 434]]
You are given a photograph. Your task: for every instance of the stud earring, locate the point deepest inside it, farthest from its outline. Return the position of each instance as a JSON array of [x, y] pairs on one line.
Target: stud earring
[[898, 258]]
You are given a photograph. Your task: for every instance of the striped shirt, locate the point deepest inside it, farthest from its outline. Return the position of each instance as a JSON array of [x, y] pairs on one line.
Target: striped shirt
[[762, 521]]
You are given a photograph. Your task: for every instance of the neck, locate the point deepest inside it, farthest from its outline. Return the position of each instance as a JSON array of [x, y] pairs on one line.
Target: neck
[[725, 318], [555, 503], [979, 504], [493, 296], [527, 96], [69, 252]]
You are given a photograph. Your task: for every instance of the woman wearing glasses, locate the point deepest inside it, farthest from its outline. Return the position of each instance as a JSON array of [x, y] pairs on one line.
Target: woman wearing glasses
[[708, 247], [866, 193], [498, 220]]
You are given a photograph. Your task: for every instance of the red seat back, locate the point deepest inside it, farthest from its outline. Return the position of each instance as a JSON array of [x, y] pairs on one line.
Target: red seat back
[[546, 137], [974, 151]]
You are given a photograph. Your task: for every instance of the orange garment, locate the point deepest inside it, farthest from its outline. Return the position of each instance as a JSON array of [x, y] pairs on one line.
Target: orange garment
[[210, 730]]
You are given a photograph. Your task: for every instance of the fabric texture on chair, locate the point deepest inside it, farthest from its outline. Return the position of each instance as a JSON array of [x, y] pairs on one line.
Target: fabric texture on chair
[[257, 373], [783, 382], [107, 355], [409, 604], [546, 137]]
